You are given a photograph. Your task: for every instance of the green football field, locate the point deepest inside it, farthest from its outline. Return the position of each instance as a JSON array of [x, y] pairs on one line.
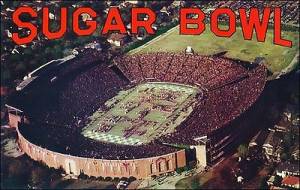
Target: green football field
[[141, 114], [278, 57]]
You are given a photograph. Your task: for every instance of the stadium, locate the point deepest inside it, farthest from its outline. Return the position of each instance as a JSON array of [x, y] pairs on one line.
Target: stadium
[[137, 115]]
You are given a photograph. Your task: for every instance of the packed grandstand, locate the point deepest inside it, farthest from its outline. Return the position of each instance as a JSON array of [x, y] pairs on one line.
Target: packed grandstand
[[59, 101]]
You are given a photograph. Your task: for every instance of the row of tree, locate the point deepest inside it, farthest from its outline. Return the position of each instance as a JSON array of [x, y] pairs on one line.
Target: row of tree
[[17, 61]]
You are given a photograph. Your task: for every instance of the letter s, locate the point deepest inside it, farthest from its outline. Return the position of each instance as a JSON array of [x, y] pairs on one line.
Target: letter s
[[16, 19]]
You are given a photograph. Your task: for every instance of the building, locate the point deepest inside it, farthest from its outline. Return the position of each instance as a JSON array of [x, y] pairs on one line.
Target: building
[[137, 168], [93, 45], [258, 140], [292, 114], [118, 39], [164, 10], [271, 180], [283, 125], [291, 181], [296, 153], [271, 146], [131, 2], [176, 3], [287, 169]]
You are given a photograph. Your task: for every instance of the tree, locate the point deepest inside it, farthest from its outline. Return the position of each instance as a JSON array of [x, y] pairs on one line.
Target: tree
[[288, 139], [180, 170], [277, 180], [226, 174], [15, 169], [17, 173], [284, 156], [243, 151], [39, 177], [263, 184], [83, 176], [5, 75]]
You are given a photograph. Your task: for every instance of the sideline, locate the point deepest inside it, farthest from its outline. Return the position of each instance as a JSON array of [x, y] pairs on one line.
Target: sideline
[[289, 68]]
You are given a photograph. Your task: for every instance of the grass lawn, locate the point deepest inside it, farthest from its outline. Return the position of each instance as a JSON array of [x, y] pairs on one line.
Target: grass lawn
[[156, 116], [186, 183], [207, 43]]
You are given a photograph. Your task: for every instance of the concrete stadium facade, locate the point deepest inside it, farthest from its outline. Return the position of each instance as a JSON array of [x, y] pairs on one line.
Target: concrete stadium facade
[[208, 150], [138, 168]]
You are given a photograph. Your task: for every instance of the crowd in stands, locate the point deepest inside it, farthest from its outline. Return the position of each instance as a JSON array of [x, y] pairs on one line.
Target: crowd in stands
[[206, 71], [81, 87], [219, 107], [230, 90]]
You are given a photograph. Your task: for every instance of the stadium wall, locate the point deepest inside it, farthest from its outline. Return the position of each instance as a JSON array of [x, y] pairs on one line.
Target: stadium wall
[[138, 168]]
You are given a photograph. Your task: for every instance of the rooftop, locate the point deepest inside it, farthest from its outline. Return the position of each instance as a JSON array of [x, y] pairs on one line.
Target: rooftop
[[291, 180], [117, 36], [288, 166]]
